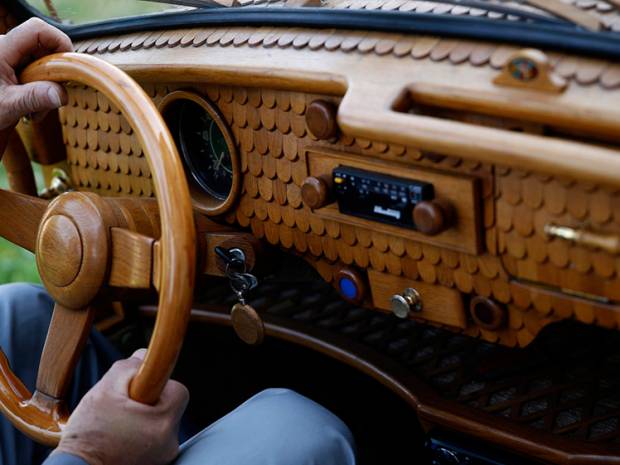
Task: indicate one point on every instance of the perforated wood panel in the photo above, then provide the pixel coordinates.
(562, 391)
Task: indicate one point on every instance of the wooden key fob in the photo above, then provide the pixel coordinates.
(247, 324)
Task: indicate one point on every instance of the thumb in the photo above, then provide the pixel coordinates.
(21, 100)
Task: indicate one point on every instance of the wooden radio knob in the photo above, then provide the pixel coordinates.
(432, 217)
(321, 119)
(316, 191)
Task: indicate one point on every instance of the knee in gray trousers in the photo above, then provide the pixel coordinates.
(25, 314)
(275, 427)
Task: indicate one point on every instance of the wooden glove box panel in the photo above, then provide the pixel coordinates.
(440, 304)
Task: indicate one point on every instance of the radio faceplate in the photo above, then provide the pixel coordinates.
(379, 197)
(460, 190)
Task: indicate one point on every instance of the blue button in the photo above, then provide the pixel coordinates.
(348, 288)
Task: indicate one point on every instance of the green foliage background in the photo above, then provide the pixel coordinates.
(16, 264)
(82, 11)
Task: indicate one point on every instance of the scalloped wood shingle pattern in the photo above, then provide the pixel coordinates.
(269, 127)
(527, 202)
(582, 71)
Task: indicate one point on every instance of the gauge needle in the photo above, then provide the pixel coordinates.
(219, 162)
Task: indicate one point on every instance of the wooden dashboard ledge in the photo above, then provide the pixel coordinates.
(319, 60)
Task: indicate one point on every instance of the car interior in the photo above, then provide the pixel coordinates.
(402, 209)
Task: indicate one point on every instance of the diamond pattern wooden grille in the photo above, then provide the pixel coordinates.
(566, 383)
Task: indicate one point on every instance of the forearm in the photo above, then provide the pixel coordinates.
(62, 458)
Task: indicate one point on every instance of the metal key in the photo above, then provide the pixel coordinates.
(244, 318)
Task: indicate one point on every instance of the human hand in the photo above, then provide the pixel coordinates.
(108, 428)
(29, 41)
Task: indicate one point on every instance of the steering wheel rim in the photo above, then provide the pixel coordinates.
(35, 415)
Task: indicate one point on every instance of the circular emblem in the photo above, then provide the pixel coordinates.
(523, 69)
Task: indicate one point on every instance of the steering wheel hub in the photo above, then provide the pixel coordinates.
(72, 247)
(60, 248)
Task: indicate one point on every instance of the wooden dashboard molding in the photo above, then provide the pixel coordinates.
(582, 71)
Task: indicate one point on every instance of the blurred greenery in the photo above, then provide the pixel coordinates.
(83, 11)
(17, 264)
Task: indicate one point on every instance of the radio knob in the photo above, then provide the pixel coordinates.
(432, 216)
(321, 119)
(316, 191)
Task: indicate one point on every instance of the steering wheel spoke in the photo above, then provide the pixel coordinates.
(135, 258)
(20, 216)
(65, 340)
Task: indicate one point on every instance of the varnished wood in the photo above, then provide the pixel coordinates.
(178, 253)
(271, 210)
(526, 179)
(364, 116)
(542, 76)
(74, 224)
(264, 112)
(487, 314)
(432, 217)
(18, 169)
(316, 192)
(20, 216)
(36, 416)
(65, 340)
(321, 119)
(132, 259)
(439, 304)
(90, 218)
(60, 248)
(247, 324)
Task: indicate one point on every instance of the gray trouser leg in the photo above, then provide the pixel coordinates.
(275, 427)
(25, 313)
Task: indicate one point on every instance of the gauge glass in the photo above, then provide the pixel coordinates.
(205, 150)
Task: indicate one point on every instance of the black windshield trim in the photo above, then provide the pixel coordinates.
(559, 36)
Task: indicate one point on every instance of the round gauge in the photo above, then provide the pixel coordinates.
(205, 150)
(208, 150)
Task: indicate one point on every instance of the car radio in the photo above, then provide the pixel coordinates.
(379, 197)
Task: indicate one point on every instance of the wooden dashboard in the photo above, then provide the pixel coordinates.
(512, 163)
(529, 171)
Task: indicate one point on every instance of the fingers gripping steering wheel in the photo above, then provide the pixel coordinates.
(87, 245)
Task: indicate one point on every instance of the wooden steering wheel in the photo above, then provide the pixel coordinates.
(87, 246)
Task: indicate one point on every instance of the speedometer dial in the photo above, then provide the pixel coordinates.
(208, 149)
(205, 150)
